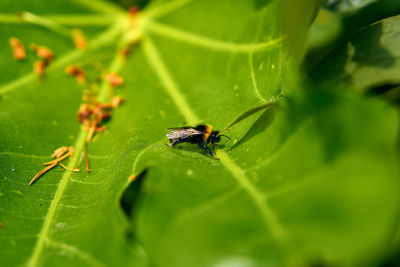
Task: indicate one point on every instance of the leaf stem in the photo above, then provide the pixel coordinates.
(43, 234)
(66, 20)
(101, 6)
(46, 23)
(162, 10)
(170, 86)
(256, 196)
(210, 43)
(78, 148)
(253, 78)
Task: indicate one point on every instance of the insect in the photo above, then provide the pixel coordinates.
(39, 67)
(201, 135)
(43, 52)
(18, 49)
(114, 79)
(77, 72)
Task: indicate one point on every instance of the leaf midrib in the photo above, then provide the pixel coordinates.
(210, 43)
(43, 234)
(80, 142)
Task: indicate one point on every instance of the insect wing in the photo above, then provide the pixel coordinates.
(182, 133)
(180, 128)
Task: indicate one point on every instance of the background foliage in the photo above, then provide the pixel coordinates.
(311, 181)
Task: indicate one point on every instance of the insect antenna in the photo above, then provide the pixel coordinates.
(251, 112)
(225, 136)
(224, 130)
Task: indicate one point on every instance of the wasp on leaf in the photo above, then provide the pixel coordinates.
(200, 134)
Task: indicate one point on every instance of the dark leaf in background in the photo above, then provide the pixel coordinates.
(333, 27)
(346, 5)
(368, 62)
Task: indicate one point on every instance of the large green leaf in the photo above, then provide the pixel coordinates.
(369, 60)
(345, 5)
(336, 27)
(303, 183)
(312, 194)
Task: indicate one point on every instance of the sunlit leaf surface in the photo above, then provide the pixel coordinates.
(303, 183)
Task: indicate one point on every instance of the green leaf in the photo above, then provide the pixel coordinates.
(296, 20)
(345, 5)
(304, 183)
(366, 61)
(312, 194)
(324, 35)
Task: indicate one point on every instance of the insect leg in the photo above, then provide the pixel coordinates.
(174, 142)
(202, 145)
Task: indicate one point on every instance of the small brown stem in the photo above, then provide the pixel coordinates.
(69, 169)
(86, 158)
(42, 172)
(91, 131)
(58, 160)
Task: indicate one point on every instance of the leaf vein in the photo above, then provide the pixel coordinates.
(81, 254)
(23, 155)
(210, 43)
(34, 259)
(253, 78)
(67, 20)
(166, 9)
(101, 6)
(169, 84)
(258, 198)
(79, 145)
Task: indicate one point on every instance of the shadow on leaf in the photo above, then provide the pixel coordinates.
(131, 194)
(362, 50)
(259, 126)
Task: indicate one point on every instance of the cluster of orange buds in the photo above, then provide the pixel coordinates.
(116, 101)
(77, 72)
(79, 39)
(39, 66)
(133, 11)
(59, 155)
(114, 79)
(18, 49)
(94, 114)
(42, 52)
(46, 56)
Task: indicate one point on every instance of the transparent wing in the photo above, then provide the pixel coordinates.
(182, 133)
(180, 128)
